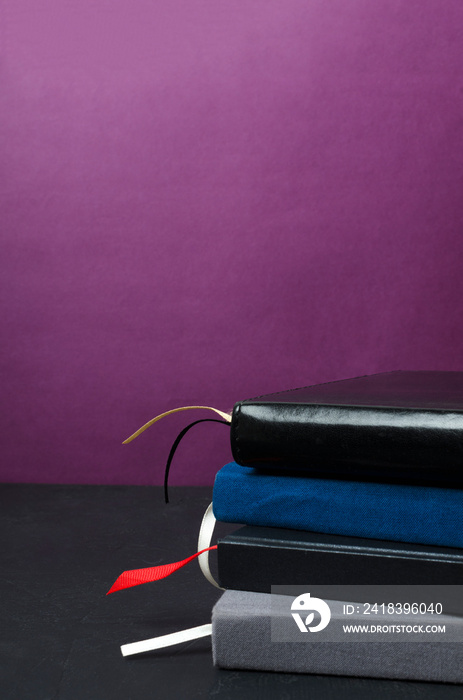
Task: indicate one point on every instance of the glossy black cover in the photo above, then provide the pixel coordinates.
(405, 426)
(256, 558)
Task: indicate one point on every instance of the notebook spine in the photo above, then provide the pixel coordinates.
(350, 441)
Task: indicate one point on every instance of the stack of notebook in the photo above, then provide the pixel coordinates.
(352, 483)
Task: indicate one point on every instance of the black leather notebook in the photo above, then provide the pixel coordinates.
(256, 558)
(391, 426)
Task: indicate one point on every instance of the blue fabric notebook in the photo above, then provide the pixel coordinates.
(419, 514)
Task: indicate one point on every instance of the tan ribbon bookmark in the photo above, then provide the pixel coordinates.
(222, 414)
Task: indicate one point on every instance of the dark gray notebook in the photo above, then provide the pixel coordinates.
(243, 637)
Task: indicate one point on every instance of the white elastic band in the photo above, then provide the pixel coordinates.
(205, 535)
(204, 541)
(167, 640)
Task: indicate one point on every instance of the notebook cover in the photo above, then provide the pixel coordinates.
(401, 513)
(255, 558)
(241, 639)
(392, 426)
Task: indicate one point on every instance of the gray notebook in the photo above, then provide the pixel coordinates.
(246, 625)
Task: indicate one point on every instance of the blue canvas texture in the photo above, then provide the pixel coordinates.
(418, 514)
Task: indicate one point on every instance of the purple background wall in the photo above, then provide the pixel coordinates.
(205, 201)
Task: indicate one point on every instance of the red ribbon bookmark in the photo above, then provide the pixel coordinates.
(135, 577)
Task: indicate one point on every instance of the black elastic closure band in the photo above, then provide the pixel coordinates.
(178, 439)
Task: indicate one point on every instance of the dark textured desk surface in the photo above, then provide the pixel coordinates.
(61, 549)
